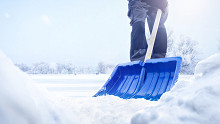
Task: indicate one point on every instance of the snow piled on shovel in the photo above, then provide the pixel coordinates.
(192, 102)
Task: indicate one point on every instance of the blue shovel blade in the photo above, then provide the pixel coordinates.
(139, 79)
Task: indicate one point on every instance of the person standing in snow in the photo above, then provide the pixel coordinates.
(138, 12)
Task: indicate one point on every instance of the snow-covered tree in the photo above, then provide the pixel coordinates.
(23, 67)
(104, 68)
(186, 48)
(101, 68)
(67, 68)
(40, 68)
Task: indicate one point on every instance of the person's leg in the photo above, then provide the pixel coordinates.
(138, 13)
(160, 45)
(138, 42)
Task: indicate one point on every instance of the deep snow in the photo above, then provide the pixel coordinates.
(192, 100)
(195, 101)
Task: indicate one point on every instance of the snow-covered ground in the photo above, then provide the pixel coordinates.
(66, 99)
(71, 85)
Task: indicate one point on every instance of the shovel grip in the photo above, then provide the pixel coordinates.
(153, 36)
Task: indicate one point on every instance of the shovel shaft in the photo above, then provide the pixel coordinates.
(153, 36)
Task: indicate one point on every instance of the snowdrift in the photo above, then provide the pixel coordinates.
(23, 102)
(192, 100)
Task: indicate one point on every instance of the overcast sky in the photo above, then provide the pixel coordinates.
(86, 32)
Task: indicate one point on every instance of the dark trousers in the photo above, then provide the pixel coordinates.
(138, 13)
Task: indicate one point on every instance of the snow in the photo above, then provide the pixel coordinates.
(43, 99)
(208, 66)
(191, 101)
(71, 85)
(23, 102)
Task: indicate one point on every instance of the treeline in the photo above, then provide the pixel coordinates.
(65, 68)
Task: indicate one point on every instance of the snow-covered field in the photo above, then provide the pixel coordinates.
(71, 85)
(67, 99)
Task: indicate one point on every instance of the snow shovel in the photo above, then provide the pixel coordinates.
(149, 79)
